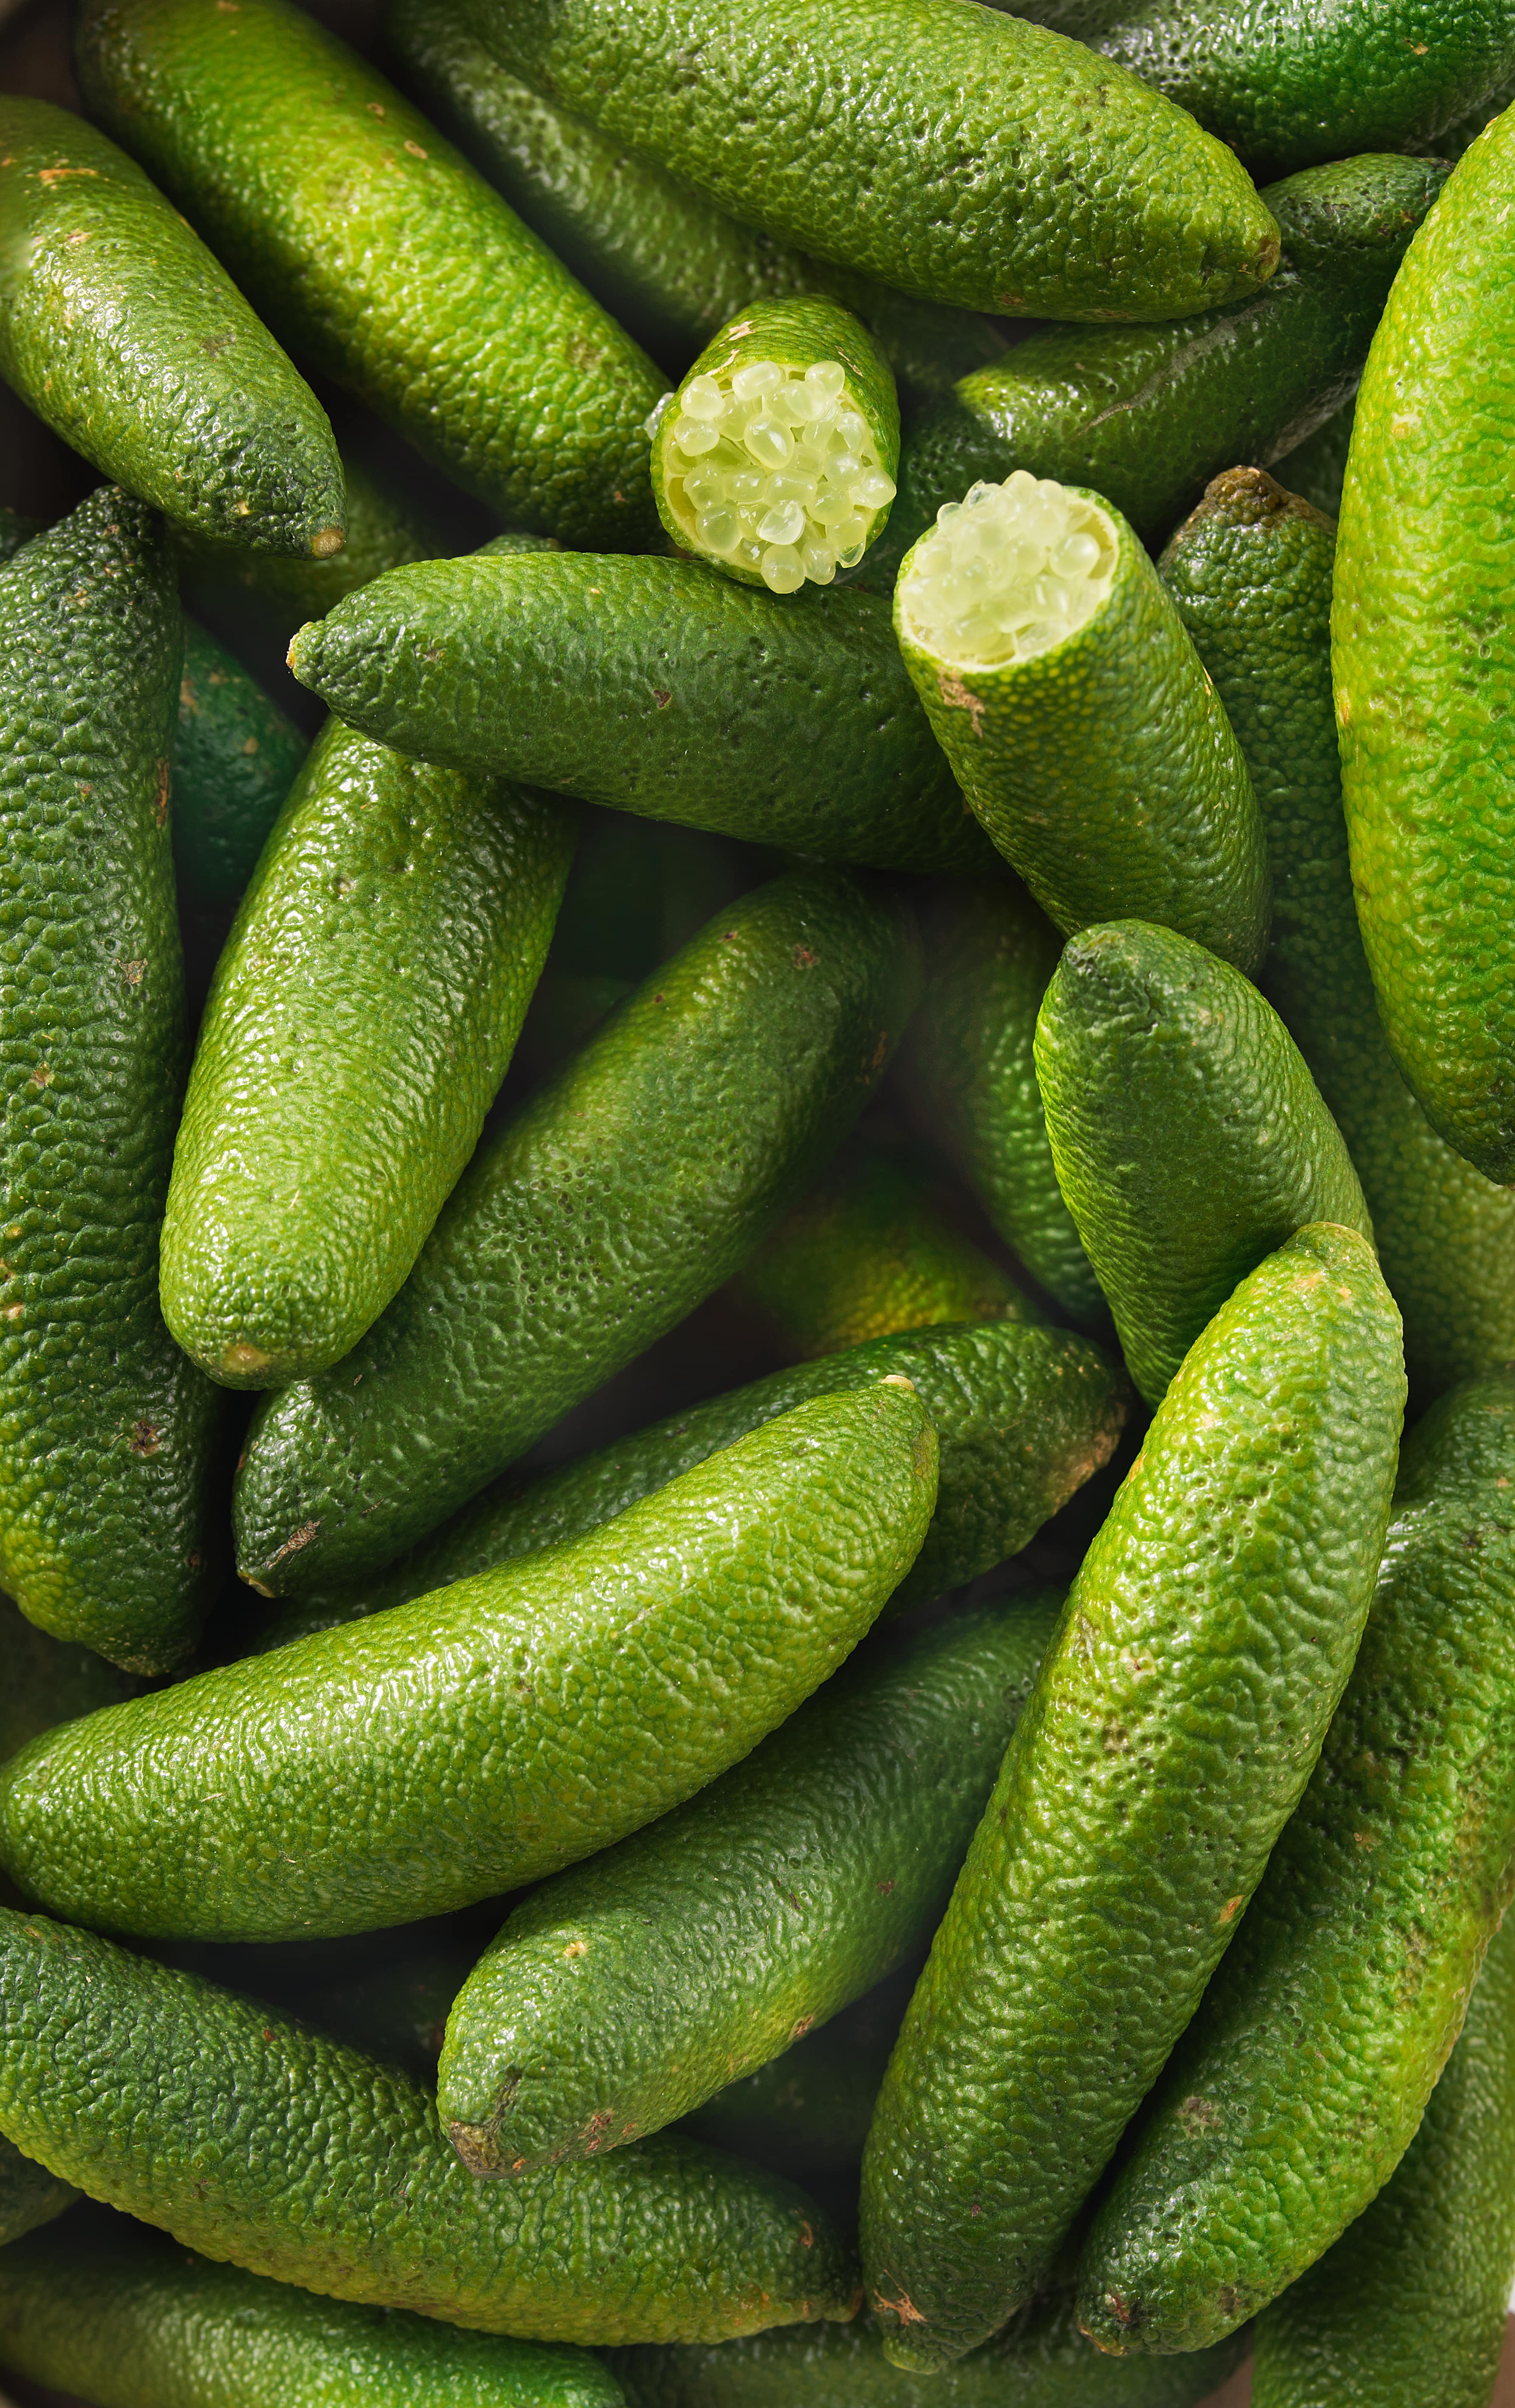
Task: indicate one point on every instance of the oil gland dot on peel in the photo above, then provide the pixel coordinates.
(770, 469)
(1010, 571)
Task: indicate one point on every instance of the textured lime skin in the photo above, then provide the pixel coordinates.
(681, 1132)
(251, 2138)
(1408, 2310)
(1289, 84)
(867, 1252)
(128, 2320)
(496, 1729)
(1251, 572)
(655, 252)
(235, 753)
(969, 159)
(47, 1681)
(105, 1428)
(1175, 1722)
(1189, 1137)
(660, 687)
(1024, 1417)
(234, 760)
(384, 259)
(1041, 2361)
(1146, 414)
(362, 1017)
(1424, 659)
(968, 1068)
(1300, 2083)
(633, 1988)
(124, 335)
(797, 330)
(1106, 770)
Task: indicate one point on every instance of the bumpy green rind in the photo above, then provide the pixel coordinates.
(1300, 2083)
(633, 1988)
(235, 753)
(362, 1018)
(866, 1252)
(677, 1137)
(1408, 2310)
(1251, 572)
(796, 331)
(251, 2138)
(123, 2317)
(1288, 83)
(105, 1429)
(1024, 1416)
(499, 1729)
(236, 756)
(384, 259)
(1106, 770)
(1041, 2360)
(1424, 671)
(1175, 1722)
(125, 336)
(1145, 415)
(670, 266)
(968, 157)
(968, 1070)
(1189, 1137)
(660, 687)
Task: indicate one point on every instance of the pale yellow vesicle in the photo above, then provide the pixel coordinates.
(771, 468)
(1009, 572)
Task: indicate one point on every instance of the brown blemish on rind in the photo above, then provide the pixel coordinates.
(301, 1538)
(955, 694)
(904, 2307)
(1198, 2116)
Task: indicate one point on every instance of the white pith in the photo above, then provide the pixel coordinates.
(770, 466)
(1009, 572)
